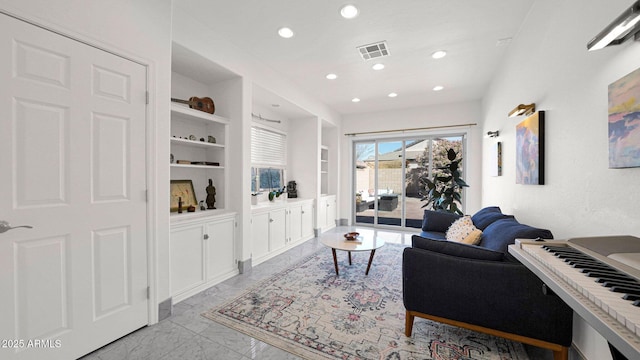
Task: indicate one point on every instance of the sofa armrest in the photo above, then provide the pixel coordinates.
(505, 296)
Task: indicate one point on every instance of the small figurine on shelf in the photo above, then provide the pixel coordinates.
(291, 190)
(180, 205)
(202, 205)
(211, 195)
(191, 208)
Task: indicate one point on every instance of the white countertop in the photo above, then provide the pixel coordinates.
(199, 214)
(278, 203)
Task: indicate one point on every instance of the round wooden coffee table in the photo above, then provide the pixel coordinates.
(363, 243)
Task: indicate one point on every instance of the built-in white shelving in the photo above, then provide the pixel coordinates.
(324, 170)
(203, 243)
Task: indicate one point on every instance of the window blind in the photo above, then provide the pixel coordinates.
(268, 147)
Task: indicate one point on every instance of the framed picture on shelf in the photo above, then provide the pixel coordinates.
(182, 189)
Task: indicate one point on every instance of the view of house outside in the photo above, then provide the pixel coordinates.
(398, 180)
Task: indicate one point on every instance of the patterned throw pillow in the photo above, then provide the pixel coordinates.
(463, 231)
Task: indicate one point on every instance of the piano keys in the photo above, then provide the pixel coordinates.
(603, 274)
(598, 277)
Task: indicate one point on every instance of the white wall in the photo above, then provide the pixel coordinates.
(431, 116)
(548, 64)
(303, 151)
(141, 31)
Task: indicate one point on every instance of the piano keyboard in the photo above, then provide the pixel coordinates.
(602, 294)
(603, 274)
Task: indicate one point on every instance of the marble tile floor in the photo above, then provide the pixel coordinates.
(186, 335)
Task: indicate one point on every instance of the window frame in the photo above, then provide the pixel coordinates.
(279, 163)
(256, 179)
(464, 133)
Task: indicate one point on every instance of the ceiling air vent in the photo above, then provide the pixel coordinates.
(374, 50)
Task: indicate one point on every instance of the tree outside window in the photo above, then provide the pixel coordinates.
(266, 179)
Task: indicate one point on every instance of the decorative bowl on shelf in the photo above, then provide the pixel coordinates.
(351, 235)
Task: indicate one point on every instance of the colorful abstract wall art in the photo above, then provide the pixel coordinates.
(624, 121)
(496, 159)
(530, 150)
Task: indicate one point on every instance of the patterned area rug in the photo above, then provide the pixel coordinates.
(308, 311)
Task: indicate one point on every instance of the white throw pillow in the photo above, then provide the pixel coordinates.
(463, 231)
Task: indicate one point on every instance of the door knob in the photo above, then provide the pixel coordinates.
(5, 226)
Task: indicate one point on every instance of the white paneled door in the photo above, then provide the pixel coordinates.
(72, 166)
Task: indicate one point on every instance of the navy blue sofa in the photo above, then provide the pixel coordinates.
(482, 287)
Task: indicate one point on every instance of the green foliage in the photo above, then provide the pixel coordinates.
(444, 191)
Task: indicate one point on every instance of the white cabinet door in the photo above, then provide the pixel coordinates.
(306, 220)
(322, 213)
(277, 229)
(187, 258)
(295, 223)
(327, 212)
(220, 239)
(259, 235)
(331, 212)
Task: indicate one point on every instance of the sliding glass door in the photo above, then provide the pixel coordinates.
(387, 188)
(364, 181)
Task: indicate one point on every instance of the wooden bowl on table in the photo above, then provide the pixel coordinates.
(351, 235)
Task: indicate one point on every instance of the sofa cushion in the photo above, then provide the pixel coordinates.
(501, 233)
(438, 220)
(463, 231)
(456, 249)
(473, 238)
(487, 216)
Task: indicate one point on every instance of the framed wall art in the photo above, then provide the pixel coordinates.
(496, 159)
(182, 189)
(530, 150)
(624, 121)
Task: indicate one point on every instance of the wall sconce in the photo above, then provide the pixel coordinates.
(620, 30)
(493, 134)
(523, 109)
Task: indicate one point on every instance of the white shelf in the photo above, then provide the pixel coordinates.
(176, 217)
(196, 166)
(202, 144)
(191, 114)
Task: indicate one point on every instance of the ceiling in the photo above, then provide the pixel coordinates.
(473, 33)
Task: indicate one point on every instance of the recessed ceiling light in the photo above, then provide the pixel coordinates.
(378, 66)
(349, 11)
(285, 32)
(332, 76)
(438, 88)
(439, 54)
(355, 100)
(392, 95)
